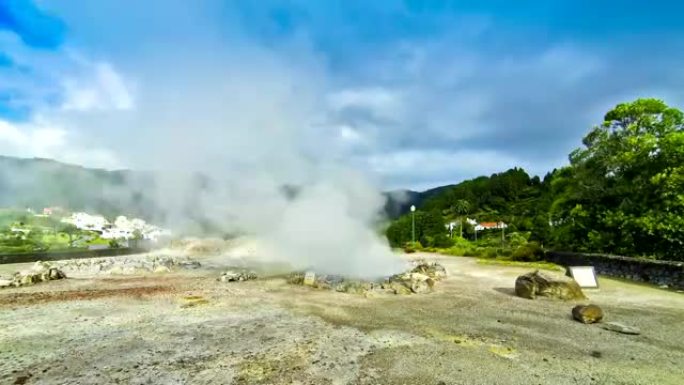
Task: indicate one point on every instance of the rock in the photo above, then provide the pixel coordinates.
(588, 314)
(236, 276)
(33, 276)
(420, 283)
(55, 273)
(419, 280)
(620, 328)
(420, 287)
(431, 269)
(354, 287)
(189, 265)
(399, 288)
(41, 266)
(27, 279)
(162, 269)
(549, 285)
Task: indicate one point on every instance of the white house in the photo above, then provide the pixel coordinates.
(490, 225)
(85, 221)
(454, 224)
(122, 228)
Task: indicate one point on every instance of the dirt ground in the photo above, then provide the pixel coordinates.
(187, 328)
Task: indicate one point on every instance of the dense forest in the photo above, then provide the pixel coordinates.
(622, 193)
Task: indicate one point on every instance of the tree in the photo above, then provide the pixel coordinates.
(462, 207)
(624, 190)
(429, 226)
(70, 230)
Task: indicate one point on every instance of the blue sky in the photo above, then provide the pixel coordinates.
(416, 93)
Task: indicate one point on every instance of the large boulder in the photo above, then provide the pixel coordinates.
(549, 285)
(417, 283)
(432, 269)
(587, 314)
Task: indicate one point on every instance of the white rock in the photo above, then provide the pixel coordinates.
(419, 277)
(162, 269)
(620, 328)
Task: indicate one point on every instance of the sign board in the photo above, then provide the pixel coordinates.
(309, 278)
(584, 276)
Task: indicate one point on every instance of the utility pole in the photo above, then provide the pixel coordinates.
(413, 224)
(460, 228)
(503, 236)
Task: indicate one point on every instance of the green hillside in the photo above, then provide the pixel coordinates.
(622, 193)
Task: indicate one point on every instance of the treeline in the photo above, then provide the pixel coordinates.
(622, 193)
(512, 197)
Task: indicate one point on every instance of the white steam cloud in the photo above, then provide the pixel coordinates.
(251, 120)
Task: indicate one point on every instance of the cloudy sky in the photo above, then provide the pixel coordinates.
(415, 93)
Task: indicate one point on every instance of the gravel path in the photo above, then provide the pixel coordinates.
(185, 327)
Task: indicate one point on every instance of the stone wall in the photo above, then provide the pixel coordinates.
(60, 255)
(659, 273)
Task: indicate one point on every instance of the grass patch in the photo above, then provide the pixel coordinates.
(503, 351)
(193, 300)
(532, 265)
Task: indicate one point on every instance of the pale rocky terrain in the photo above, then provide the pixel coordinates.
(150, 326)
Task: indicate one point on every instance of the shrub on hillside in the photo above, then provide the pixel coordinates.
(530, 252)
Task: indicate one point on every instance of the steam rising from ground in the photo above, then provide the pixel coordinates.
(227, 127)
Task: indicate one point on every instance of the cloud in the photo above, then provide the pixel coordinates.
(42, 139)
(399, 78)
(401, 167)
(226, 124)
(101, 87)
(381, 101)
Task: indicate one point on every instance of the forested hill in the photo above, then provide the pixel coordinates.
(398, 202)
(512, 196)
(38, 183)
(622, 193)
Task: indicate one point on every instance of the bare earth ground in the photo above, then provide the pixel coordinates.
(187, 328)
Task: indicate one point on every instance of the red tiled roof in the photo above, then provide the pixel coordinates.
(489, 224)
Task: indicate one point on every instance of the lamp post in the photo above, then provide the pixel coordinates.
(413, 224)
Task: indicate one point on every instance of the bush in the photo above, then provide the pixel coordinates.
(412, 247)
(518, 239)
(455, 251)
(530, 252)
(461, 242)
(475, 251)
(442, 241)
(490, 252)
